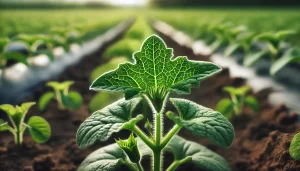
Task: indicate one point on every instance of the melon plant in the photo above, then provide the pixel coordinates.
(154, 76)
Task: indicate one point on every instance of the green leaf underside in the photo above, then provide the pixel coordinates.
(154, 73)
(39, 130)
(203, 122)
(226, 107)
(252, 102)
(73, 100)
(102, 123)
(45, 99)
(295, 147)
(202, 157)
(107, 158)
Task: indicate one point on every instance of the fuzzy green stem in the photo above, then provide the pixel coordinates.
(169, 135)
(177, 163)
(143, 137)
(157, 156)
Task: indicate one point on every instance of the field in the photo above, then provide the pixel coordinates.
(257, 133)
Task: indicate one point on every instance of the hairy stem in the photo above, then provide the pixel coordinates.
(169, 135)
(157, 162)
(177, 163)
(143, 137)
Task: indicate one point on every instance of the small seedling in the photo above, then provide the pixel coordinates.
(33, 42)
(295, 147)
(39, 128)
(64, 97)
(229, 107)
(153, 76)
(243, 42)
(273, 42)
(5, 56)
(290, 56)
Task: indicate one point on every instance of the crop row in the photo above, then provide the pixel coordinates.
(239, 31)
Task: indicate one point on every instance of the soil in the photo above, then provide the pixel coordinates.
(261, 139)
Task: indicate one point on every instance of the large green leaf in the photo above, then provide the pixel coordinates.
(203, 122)
(45, 99)
(155, 72)
(201, 157)
(9, 109)
(111, 157)
(107, 158)
(39, 129)
(101, 124)
(295, 147)
(226, 107)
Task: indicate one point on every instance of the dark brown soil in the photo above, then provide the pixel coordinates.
(261, 142)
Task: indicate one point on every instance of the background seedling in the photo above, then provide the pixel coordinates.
(152, 76)
(64, 97)
(39, 128)
(229, 107)
(273, 42)
(295, 147)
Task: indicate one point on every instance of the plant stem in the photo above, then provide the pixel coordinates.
(177, 163)
(144, 137)
(157, 156)
(157, 160)
(169, 135)
(19, 137)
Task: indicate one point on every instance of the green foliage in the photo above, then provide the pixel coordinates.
(229, 107)
(290, 56)
(39, 128)
(154, 74)
(295, 147)
(61, 93)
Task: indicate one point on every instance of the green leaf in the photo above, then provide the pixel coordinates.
(254, 57)
(73, 100)
(45, 99)
(39, 129)
(283, 34)
(201, 157)
(101, 124)
(203, 122)
(154, 73)
(231, 49)
(292, 55)
(3, 44)
(18, 57)
(107, 158)
(252, 102)
(226, 107)
(64, 86)
(295, 147)
(238, 91)
(9, 109)
(4, 125)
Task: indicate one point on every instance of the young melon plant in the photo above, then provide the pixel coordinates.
(290, 56)
(39, 128)
(242, 42)
(295, 147)
(153, 76)
(5, 55)
(64, 97)
(273, 42)
(229, 107)
(33, 42)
